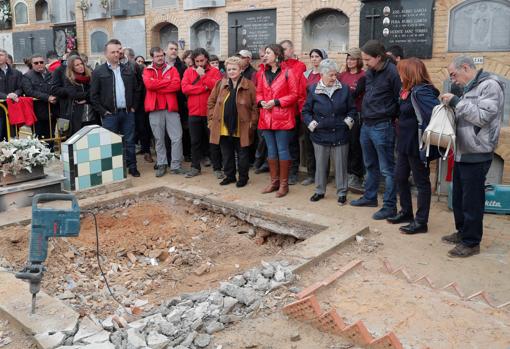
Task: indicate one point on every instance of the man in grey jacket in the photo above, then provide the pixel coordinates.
(478, 116)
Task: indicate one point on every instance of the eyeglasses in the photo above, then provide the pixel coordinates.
(38, 62)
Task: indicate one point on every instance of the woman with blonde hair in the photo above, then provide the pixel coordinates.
(77, 84)
(232, 120)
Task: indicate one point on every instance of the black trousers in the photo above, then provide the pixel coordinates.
(355, 158)
(143, 130)
(294, 148)
(200, 146)
(403, 168)
(261, 152)
(230, 147)
(309, 154)
(469, 200)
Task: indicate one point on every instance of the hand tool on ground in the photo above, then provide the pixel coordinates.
(47, 222)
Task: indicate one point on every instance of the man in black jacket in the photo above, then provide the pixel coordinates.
(379, 107)
(10, 87)
(36, 83)
(114, 93)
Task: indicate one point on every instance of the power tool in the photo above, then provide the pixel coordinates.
(47, 223)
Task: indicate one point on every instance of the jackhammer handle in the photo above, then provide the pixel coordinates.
(54, 196)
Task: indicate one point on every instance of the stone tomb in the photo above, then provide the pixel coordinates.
(407, 23)
(131, 33)
(29, 42)
(250, 30)
(167, 33)
(96, 10)
(128, 7)
(98, 39)
(92, 156)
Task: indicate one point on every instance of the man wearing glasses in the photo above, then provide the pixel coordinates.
(36, 84)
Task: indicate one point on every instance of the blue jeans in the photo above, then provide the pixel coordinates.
(469, 200)
(378, 146)
(277, 142)
(123, 123)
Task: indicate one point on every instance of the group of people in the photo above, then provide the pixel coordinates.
(360, 116)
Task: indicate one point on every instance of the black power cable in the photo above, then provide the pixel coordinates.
(99, 261)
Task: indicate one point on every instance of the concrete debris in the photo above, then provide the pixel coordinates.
(190, 320)
(295, 337)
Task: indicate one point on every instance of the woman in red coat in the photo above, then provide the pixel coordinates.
(277, 95)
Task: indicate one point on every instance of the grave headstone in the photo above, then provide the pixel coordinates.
(62, 11)
(27, 43)
(196, 4)
(6, 41)
(98, 39)
(168, 33)
(96, 10)
(407, 23)
(206, 34)
(21, 13)
(480, 26)
(128, 7)
(250, 30)
(327, 29)
(131, 33)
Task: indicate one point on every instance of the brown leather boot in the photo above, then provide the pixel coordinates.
(274, 171)
(284, 178)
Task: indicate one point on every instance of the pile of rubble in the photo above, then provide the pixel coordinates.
(190, 320)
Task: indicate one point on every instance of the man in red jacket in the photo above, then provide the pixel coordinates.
(197, 84)
(299, 69)
(162, 83)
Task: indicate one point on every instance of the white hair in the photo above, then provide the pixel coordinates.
(459, 61)
(327, 65)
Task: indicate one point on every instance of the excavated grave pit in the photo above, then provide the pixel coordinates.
(152, 247)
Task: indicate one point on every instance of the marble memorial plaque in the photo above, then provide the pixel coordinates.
(480, 26)
(20, 13)
(97, 11)
(206, 34)
(131, 33)
(6, 42)
(62, 11)
(254, 29)
(168, 33)
(327, 29)
(128, 7)
(196, 4)
(165, 3)
(98, 39)
(407, 23)
(30, 42)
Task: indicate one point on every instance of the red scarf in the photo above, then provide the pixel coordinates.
(81, 79)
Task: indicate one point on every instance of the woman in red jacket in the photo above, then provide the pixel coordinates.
(277, 95)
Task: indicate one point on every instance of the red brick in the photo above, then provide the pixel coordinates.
(304, 309)
(358, 333)
(330, 322)
(389, 341)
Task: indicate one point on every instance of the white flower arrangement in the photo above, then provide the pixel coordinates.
(17, 155)
(5, 12)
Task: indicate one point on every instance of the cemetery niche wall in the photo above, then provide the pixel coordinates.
(480, 26)
(27, 43)
(167, 32)
(96, 9)
(407, 23)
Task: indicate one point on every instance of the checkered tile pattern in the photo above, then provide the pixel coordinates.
(92, 156)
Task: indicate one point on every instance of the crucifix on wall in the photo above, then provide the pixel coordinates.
(236, 28)
(372, 17)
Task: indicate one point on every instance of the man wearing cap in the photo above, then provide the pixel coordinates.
(249, 72)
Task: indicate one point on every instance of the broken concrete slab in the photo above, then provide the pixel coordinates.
(100, 337)
(89, 346)
(50, 341)
(52, 315)
(86, 329)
